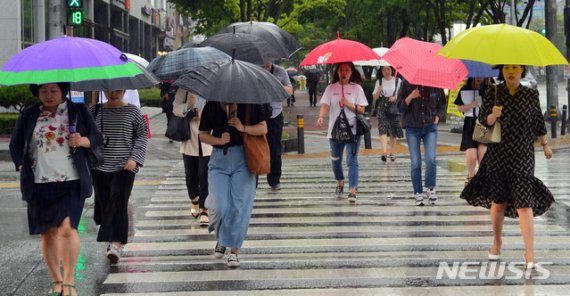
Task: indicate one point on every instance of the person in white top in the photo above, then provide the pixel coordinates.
(131, 96)
(195, 154)
(385, 97)
(345, 92)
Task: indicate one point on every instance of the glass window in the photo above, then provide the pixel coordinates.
(28, 23)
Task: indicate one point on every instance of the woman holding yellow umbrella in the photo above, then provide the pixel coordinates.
(505, 182)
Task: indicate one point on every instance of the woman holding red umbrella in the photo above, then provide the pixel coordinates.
(345, 93)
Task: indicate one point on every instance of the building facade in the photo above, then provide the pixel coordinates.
(140, 27)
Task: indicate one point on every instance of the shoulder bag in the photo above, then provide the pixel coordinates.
(178, 128)
(341, 131)
(487, 134)
(393, 106)
(256, 150)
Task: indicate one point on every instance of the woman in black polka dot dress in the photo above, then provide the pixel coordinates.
(505, 181)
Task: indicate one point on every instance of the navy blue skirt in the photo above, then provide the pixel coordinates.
(51, 203)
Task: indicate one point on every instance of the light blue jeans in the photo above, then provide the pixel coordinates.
(414, 136)
(231, 191)
(351, 161)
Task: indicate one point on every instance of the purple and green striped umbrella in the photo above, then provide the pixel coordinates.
(67, 59)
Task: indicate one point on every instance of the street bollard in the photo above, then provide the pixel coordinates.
(300, 134)
(553, 116)
(563, 120)
(367, 138)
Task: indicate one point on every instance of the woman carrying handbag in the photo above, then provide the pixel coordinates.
(344, 95)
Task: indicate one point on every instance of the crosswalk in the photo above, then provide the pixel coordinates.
(304, 241)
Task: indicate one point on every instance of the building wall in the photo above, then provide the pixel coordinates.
(136, 30)
(10, 37)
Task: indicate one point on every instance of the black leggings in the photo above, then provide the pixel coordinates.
(196, 173)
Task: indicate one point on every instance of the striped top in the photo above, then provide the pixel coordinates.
(126, 131)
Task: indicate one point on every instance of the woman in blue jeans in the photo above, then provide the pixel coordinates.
(345, 92)
(422, 107)
(231, 186)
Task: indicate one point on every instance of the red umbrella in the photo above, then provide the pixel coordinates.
(420, 64)
(338, 51)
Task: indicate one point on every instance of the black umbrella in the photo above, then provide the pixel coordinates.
(144, 80)
(233, 81)
(178, 62)
(280, 39)
(249, 48)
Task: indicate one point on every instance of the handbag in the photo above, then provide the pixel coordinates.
(487, 134)
(256, 150)
(178, 128)
(95, 156)
(393, 106)
(362, 125)
(341, 131)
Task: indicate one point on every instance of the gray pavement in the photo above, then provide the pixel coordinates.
(302, 240)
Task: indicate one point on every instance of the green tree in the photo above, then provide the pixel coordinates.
(18, 96)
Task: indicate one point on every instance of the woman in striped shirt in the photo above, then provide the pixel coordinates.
(125, 138)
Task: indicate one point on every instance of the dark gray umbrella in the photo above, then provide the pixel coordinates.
(280, 39)
(178, 62)
(144, 80)
(248, 47)
(233, 81)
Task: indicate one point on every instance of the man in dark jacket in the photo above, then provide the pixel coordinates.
(312, 83)
(422, 107)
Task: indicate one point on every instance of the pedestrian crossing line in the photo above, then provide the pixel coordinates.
(481, 290)
(350, 242)
(302, 239)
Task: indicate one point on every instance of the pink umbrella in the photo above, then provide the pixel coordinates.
(420, 64)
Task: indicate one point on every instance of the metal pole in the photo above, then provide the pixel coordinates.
(367, 137)
(553, 122)
(300, 134)
(563, 120)
(567, 34)
(551, 71)
(513, 18)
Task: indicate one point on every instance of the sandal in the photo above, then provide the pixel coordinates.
(195, 209)
(467, 180)
(204, 220)
(384, 158)
(69, 290)
(392, 157)
(52, 291)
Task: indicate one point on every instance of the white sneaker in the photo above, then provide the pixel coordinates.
(233, 260)
(114, 254)
(419, 199)
(432, 196)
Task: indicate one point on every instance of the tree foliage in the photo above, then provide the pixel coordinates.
(16, 96)
(372, 22)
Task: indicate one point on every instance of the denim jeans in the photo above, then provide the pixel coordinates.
(231, 191)
(414, 136)
(351, 160)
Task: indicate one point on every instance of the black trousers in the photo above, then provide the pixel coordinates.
(312, 96)
(196, 173)
(112, 192)
(274, 131)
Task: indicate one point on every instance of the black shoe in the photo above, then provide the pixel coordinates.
(276, 187)
(351, 197)
(339, 191)
(384, 158)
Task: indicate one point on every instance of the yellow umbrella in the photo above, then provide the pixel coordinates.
(503, 44)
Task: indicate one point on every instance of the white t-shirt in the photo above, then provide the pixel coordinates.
(332, 95)
(131, 96)
(388, 87)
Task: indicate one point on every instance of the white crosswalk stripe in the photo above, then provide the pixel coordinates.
(304, 241)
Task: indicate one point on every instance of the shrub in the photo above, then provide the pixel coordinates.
(18, 96)
(150, 97)
(7, 122)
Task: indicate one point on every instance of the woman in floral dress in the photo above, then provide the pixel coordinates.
(49, 147)
(505, 181)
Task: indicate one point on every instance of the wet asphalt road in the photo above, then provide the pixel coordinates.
(300, 238)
